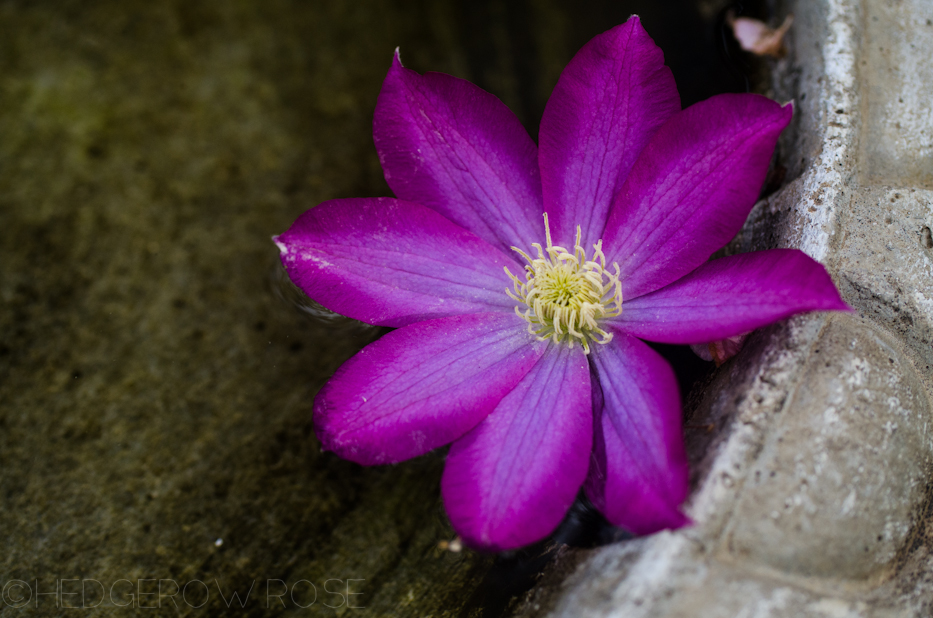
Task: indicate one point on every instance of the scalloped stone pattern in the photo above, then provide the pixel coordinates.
(812, 450)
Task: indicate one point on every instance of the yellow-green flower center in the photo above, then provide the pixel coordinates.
(564, 295)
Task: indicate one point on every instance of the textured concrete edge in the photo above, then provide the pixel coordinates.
(825, 183)
(638, 578)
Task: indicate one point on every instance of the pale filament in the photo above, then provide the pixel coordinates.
(565, 295)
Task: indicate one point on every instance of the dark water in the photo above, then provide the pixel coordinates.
(156, 375)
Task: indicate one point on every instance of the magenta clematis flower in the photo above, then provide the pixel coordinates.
(521, 281)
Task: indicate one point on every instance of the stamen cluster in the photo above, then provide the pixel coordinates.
(565, 295)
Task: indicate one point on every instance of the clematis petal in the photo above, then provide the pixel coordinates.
(422, 386)
(612, 97)
(510, 480)
(731, 296)
(638, 471)
(453, 147)
(691, 189)
(389, 262)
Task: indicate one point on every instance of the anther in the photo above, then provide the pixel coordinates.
(564, 294)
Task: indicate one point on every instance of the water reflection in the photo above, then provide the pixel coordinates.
(290, 295)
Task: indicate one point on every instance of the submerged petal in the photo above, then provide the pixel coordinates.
(612, 97)
(510, 480)
(422, 386)
(453, 147)
(638, 472)
(389, 262)
(731, 296)
(692, 188)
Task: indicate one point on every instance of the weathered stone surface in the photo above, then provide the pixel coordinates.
(812, 450)
(888, 266)
(896, 73)
(844, 467)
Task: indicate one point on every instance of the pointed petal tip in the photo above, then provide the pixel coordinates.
(832, 299)
(396, 68)
(648, 517)
(634, 22)
(679, 520)
(841, 306)
(831, 302)
(673, 520)
(499, 541)
(283, 248)
(486, 544)
(788, 108)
